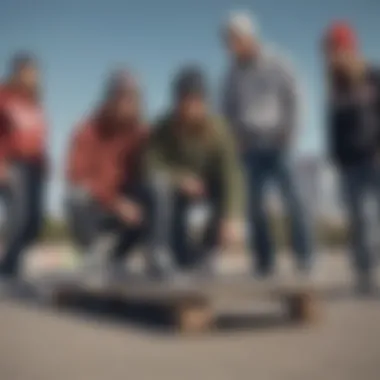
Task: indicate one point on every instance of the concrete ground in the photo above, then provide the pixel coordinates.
(40, 344)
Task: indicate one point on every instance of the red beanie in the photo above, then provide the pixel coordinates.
(342, 36)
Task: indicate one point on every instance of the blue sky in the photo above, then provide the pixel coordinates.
(79, 41)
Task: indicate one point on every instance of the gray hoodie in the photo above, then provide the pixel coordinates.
(261, 102)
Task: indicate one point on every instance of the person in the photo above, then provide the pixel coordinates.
(261, 102)
(353, 135)
(23, 160)
(106, 193)
(193, 151)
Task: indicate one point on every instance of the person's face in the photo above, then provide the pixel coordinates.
(240, 46)
(126, 107)
(28, 76)
(338, 59)
(192, 108)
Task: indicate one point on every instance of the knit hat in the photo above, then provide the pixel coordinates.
(241, 23)
(190, 80)
(341, 35)
(121, 82)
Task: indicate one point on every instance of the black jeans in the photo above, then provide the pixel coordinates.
(24, 213)
(89, 222)
(358, 182)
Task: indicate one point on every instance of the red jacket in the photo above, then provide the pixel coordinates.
(105, 163)
(23, 128)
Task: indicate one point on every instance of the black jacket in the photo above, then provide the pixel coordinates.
(354, 123)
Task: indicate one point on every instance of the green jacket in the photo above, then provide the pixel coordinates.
(209, 154)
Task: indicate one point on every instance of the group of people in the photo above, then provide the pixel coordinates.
(137, 182)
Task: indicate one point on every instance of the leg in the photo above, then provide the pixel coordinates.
(82, 215)
(152, 230)
(36, 220)
(376, 186)
(19, 203)
(181, 245)
(299, 231)
(128, 239)
(354, 187)
(261, 241)
(210, 238)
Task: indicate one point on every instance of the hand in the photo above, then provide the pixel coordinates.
(230, 232)
(192, 186)
(130, 212)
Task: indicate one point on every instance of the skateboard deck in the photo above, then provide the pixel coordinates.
(189, 302)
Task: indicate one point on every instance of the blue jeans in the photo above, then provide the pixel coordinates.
(261, 168)
(359, 181)
(24, 213)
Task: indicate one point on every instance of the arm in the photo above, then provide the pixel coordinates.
(291, 98)
(227, 107)
(376, 80)
(6, 143)
(331, 135)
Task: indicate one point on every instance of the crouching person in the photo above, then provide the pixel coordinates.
(106, 192)
(195, 156)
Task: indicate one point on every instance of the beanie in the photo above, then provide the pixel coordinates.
(341, 35)
(190, 80)
(241, 23)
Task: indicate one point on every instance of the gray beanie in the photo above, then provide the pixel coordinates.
(241, 23)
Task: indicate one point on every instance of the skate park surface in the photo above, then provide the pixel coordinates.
(38, 343)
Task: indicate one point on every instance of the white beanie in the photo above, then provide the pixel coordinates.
(241, 23)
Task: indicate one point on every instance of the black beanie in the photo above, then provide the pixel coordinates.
(190, 80)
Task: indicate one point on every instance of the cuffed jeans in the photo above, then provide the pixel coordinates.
(261, 168)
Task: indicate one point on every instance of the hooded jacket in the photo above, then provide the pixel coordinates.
(209, 154)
